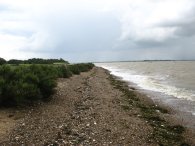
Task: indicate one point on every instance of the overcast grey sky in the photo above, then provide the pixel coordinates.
(97, 30)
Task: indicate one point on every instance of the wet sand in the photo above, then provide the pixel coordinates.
(87, 109)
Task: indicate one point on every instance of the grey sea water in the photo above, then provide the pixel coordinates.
(172, 82)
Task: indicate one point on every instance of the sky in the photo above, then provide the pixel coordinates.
(97, 30)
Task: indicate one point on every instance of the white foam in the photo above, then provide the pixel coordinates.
(152, 83)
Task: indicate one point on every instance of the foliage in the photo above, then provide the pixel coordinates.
(44, 61)
(82, 67)
(2, 61)
(74, 69)
(15, 61)
(37, 61)
(25, 84)
(64, 72)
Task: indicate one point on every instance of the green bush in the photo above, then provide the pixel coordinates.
(25, 84)
(81, 67)
(37, 61)
(47, 85)
(64, 72)
(2, 61)
(74, 69)
(23, 92)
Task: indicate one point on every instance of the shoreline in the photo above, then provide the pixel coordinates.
(167, 113)
(95, 108)
(173, 116)
(183, 118)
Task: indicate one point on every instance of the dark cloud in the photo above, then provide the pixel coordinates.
(185, 25)
(186, 30)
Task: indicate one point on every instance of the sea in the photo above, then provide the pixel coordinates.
(169, 82)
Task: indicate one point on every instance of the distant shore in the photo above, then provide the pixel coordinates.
(93, 108)
(139, 61)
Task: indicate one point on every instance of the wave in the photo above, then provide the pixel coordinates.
(152, 83)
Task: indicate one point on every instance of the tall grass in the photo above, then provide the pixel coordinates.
(26, 84)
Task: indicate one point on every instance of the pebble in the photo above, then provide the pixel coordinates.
(157, 111)
(17, 138)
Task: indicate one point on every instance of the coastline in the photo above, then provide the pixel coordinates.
(95, 108)
(164, 111)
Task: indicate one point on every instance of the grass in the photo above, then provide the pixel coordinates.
(163, 132)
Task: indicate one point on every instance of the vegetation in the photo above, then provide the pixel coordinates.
(25, 84)
(163, 133)
(82, 67)
(33, 61)
(2, 61)
(37, 61)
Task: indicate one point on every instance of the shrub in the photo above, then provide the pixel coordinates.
(2, 61)
(37, 61)
(64, 72)
(74, 69)
(23, 92)
(46, 86)
(83, 67)
(5, 71)
(15, 61)
(2, 83)
(80, 67)
(25, 84)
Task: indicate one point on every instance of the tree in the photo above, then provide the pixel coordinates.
(2, 61)
(15, 61)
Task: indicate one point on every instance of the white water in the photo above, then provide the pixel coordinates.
(174, 79)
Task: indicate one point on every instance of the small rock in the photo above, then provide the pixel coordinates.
(108, 130)
(157, 111)
(59, 136)
(10, 115)
(17, 138)
(78, 87)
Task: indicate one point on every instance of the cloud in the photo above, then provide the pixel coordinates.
(3, 8)
(184, 28)
(85, 30)
(141, 20)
